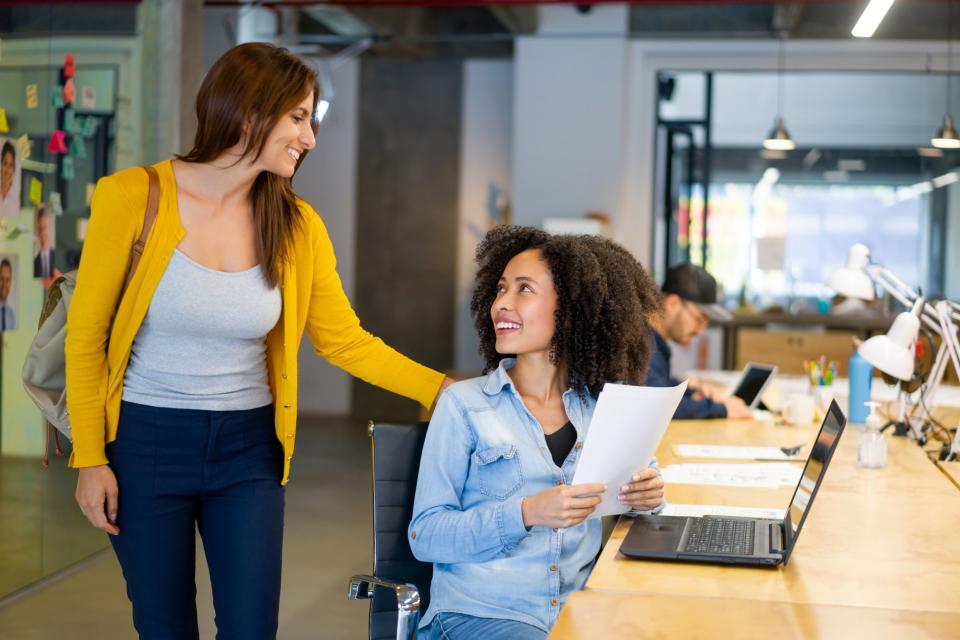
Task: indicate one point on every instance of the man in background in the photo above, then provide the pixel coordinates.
(8, 322)
(43, 261)
(9, 186)
(689, 299)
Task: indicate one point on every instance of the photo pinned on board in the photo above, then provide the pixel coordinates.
(9, 178)
(9, 295)
(44, 255)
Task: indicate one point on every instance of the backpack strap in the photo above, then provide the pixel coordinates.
(153, 201)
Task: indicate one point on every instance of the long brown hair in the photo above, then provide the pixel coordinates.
(254, 85)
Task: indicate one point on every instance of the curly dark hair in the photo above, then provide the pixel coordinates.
(604, 301)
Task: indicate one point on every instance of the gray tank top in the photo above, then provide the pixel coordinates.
(202, 343)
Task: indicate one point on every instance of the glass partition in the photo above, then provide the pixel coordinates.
(57, 132)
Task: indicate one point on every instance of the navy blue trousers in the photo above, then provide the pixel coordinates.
(219, 472)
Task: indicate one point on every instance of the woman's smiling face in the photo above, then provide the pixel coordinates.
(290, 138)
(524, 311)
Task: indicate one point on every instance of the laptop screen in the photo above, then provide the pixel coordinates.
(813, 472)
(752, 382)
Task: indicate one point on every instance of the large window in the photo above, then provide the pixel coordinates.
(780, 222)
(782, 241)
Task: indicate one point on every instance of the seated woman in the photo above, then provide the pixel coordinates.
(510, 539)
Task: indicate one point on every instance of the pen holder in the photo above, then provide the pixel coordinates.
(822, 397)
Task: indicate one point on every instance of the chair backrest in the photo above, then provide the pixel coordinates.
(396, 462)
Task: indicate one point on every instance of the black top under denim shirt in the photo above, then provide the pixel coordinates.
(659, 376)
(561, 442)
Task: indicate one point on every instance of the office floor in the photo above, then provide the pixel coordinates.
(327, 540)
(43, 529)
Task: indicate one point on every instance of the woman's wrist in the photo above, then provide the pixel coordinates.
(525, 513)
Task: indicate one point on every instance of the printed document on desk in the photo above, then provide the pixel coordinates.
(731, 452)
(628, 423)
(760, 475)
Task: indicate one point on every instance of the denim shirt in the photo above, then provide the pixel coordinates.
(484, 452)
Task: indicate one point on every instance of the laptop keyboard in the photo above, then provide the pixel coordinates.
(720, 535)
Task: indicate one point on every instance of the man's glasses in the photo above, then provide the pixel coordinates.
(699, 317)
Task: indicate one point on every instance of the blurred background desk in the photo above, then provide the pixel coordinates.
(875, 539)
(787, 339)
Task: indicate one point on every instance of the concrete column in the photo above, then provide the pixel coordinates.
(172, 71)
(408, 173)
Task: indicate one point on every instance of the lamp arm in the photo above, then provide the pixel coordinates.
(948, 353)
(902, 293)
(949, 333)
(953, 344)
(954, 310)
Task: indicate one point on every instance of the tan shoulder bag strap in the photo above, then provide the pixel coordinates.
(153, 201)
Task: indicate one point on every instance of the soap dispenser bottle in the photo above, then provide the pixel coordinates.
(872, 452)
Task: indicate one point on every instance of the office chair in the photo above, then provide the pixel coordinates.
(399, 588)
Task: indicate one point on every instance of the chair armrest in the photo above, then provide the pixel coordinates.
(408, 596)
(408, 601)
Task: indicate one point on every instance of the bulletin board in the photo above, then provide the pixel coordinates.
(57, 138)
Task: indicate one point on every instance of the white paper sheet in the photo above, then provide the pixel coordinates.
(626, 428)
(699, 510)
(731, 452)
(762, 475)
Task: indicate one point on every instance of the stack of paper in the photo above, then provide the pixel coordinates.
(626, 428)
(700, 510)
(731, 452)
(769, 475)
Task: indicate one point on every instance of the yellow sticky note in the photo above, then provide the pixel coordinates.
(36, 191)
(90, 187)
(4, 127)
(24, 146)
(32, 99)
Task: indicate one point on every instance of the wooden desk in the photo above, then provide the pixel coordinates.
(874, 538)
(591, 614)
(951, 470)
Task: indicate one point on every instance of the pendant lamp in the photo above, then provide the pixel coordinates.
(779, 139)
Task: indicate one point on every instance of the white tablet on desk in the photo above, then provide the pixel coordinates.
(754, 380)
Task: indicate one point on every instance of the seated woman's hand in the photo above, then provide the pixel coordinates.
(645, 492)
(563, 506)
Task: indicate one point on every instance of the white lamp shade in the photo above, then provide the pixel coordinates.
(858, 256)
(852, 283)
(893, 352)
(851, 280)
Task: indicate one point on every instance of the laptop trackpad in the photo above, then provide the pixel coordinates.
(654, 536)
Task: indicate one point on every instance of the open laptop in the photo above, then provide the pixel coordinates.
(747, 541)
(754, 380)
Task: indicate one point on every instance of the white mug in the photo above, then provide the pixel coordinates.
(799, 409)
(823, 396)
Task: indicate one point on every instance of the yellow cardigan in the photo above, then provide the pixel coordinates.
(98, 343)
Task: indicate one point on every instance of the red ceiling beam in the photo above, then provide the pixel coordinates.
(491, 3)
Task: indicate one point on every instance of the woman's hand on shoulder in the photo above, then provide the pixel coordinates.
(644, 491)
(97, 494)
(563, 506)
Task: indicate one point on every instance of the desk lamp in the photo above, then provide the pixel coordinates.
(893, 354)
(851, 280)
(938, 319)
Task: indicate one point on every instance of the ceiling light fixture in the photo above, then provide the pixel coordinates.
(947, 137)
(871, 18)
(779, 139)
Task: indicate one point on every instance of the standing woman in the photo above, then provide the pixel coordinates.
(182, 393)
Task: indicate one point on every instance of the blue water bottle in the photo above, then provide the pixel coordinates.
(861, 376)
